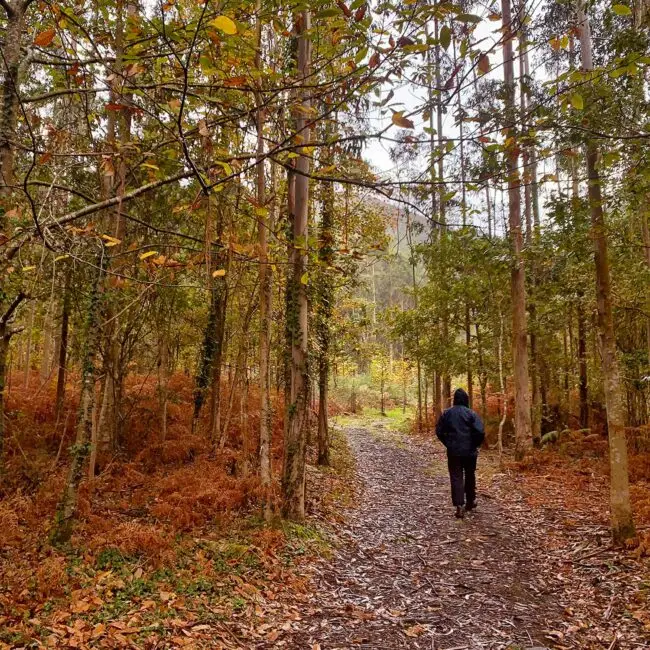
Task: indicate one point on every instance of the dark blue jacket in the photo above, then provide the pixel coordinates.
(460, 429)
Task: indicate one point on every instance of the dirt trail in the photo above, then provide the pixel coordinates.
(407, 574)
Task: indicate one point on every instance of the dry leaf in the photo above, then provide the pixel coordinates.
(404, 122)
(45, 38)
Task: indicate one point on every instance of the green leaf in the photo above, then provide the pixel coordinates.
(621, 10)
(468, 18)
(305, 278)
(328, 13)
(445, 37)
(577, 102)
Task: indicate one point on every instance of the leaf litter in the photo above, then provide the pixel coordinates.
(523, 571)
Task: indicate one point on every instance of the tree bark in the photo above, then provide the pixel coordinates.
(6, 332)
(12, 58)
(621, 511)
(324, 312)
(523, 427)
(293, 471)
(583, 386)
(646, 244)
(63, 347)
(62, 530)
(265, 223)
(445, 381)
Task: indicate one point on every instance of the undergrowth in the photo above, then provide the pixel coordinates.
(168, 534)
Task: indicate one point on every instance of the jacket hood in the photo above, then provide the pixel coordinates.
(461, 398)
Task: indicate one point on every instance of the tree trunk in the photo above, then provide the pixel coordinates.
(583, 386)
(28, 354)
(6, 332)
(412, 260)
(502, 386)
(324, 313)
(12, 58)
(163, 380)
(209, 371)
(265, 223)
(482, 374)
(63, 347)
(110, 420)
(445, 392)
(220, 293)
(293, 471)
(646, 244)
(523, 427)
(62, 530)
(621, 510)
(531, 212)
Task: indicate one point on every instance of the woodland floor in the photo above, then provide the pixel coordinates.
(381, 563)
(406, 574)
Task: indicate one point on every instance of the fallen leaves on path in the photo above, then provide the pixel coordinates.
(518, 573)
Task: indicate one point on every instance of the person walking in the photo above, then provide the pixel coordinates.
(461, 431)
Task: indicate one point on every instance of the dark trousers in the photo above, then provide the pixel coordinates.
(462, 472)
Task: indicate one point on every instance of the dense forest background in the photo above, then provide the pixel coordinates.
(222, 223)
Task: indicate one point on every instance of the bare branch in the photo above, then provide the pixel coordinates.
(9, 10)
(4, 319)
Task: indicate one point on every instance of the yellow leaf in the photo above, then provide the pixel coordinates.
(111, 241)
(219, 273)
(226, 167)
(28, 268)
(144, 256)
(305, 278)
(225, 24)
(400, 120)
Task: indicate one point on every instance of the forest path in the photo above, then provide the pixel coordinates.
(407, 574)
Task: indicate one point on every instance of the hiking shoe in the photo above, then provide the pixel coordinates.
(471, 506)
(460, 512)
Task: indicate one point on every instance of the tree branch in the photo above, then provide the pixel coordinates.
(4, 319)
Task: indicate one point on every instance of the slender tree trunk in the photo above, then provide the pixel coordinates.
(265, 223)
(28, 354)
(445, 392)
(412, 260)
(62, 529)
(221, 299)
(163, 379)
(531, 211)
(324, 313)
(240, 367)
(646, 243)
(293, 471)
(523, 427)
(621, 510)
(426, 402)
(583, 386)
(482, 374)
(63, 347)
(115, 180)
(502, 386)
(6, 332)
